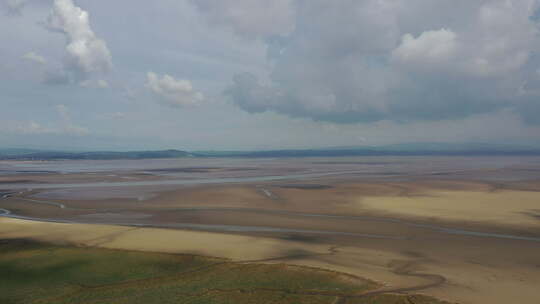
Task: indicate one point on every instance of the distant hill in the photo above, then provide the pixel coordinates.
(103, 155)
(449, 147)
(468, 149)
(13, 151)
(412, 149)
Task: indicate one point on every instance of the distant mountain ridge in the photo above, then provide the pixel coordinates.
(99, 155)
(418, 149)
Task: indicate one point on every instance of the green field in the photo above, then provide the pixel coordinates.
(42, 273)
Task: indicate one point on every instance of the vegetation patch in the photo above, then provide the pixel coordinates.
(43, 273)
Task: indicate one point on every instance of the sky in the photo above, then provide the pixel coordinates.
(258, 74)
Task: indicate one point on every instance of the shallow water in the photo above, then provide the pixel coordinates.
(178, 181)
(231, 170)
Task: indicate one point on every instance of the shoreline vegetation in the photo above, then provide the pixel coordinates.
(38, 272)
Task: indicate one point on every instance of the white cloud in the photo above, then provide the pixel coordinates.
(250, 18)
(174, 92)
(87, 53)
(31, 56)
(431, 47)
(498, 39)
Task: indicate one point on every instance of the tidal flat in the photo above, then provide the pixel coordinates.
(460, 229)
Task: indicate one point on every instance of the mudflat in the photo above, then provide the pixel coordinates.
(466, 236)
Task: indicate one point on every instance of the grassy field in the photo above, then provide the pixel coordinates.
(34, 272)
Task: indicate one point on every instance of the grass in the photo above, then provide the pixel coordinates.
(34, 272)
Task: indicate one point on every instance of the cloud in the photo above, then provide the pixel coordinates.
(33, 57)
(64, 126)
(102, 83)
(253, 97)
(34, 128)
(173, 92)
(29, 128)
(430, 47)
(13, 7)
(250, 18)
(86, 53)
(96, 84)
(63, 112)
(112, 116)
(67, 125)
(372, 60)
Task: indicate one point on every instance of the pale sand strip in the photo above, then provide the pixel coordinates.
(505, 207)
(235, 247)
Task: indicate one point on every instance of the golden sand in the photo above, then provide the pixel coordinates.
(236, 247)
(503, 207)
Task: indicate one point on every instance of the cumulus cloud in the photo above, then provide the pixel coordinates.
(33, 57)
(371, 60)
(431, 47)
(250, 18)
(86, 53)
(173, 92)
